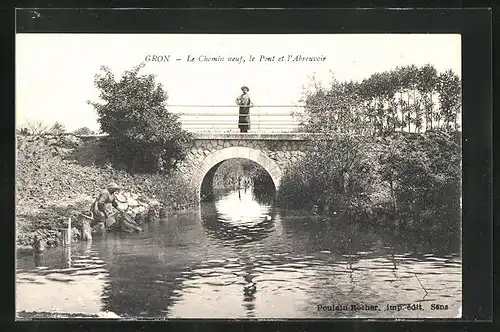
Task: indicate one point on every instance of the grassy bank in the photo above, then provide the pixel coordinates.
(59, 176)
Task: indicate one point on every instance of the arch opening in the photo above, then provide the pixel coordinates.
(205, 171)
(238, 174)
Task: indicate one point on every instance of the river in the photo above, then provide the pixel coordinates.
(242, 257)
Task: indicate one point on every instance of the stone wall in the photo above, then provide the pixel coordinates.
(269, 150)
(273, 151)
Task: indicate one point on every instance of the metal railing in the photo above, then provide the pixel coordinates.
(216, 120)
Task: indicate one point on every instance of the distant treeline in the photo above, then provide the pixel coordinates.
(406, 98)
(40, 128)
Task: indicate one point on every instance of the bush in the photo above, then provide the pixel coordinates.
(57, 129)
(176, 193)
(83, 131)
(143, 134)
(425, 172)
(415, 178)
(338, 176)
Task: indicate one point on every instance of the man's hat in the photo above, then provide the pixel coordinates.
(245, 87)
(113, 185)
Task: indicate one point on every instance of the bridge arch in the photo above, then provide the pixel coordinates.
(221, 155)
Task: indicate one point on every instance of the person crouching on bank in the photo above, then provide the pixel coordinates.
(99, 207)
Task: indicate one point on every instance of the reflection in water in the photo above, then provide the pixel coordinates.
(249, 291)
(237, 218)
(38, 259)
(138, 293)
(240, 256)
(66, 256)
(69, 280)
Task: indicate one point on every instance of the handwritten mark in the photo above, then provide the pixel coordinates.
(422, 286)
(36, 14)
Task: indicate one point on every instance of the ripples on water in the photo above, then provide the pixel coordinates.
(241, 258)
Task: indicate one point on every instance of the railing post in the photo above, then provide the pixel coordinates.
(66, 234)
(258, 120)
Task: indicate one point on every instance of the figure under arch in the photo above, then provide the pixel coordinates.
(209, 162)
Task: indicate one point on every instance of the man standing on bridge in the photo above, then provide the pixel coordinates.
(244, 116)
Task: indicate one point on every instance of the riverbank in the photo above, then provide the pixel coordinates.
(58, 177)
(405, 180)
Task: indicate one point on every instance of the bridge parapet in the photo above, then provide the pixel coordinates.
(256, 136)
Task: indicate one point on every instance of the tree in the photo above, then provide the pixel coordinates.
(83, 131)
(450, 98)
(37, 127)
(57, 129)
(427, 85)
(22, 131)
(401, 99)
(411, 173)
(144, 135)
(424, 175)
(337, 109)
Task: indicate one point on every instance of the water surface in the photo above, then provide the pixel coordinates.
(243, 257)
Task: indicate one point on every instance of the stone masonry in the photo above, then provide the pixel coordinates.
(272, 151)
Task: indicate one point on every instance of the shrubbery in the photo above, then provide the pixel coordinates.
(424, 174)
(144, 135)
(58, 175)
(390, 149)
(337, 176)
(83, 131)
(415, 178)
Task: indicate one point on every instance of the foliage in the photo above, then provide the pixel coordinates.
(231, 173)
(336, 109)
(38, 128)
(34, 128)
(338, 179)
(424, 172)
(52, 185)
(389, 144)
(406, 98)
(23, 131)
(145, 135)
(83, 131)
(57, 129)
(450, 97)
(175, 192)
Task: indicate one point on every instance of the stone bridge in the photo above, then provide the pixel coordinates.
(272, 151)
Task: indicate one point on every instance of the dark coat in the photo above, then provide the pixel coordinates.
(244, 111)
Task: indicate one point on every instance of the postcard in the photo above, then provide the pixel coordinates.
(265, 176)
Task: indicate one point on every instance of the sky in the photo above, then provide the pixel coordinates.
(55, 72)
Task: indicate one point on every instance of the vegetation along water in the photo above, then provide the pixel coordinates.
(366, 223)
